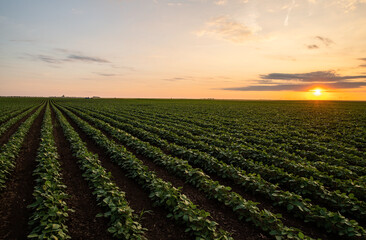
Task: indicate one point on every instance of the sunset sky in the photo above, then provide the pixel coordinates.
(224, 49)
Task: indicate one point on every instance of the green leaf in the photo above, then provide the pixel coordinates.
(301, 235)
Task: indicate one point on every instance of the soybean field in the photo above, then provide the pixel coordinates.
(74, 168)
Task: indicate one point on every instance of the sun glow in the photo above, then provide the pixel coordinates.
(317, 92)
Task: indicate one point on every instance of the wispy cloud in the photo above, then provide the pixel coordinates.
(289, 9)
(68, 56)
(312, 46)
(177, 79)
(324, 40)
(86, 58)
(106, 74)
(362, 65)
(319, 76)
(228, 29)
(45, 58)
(298, 87)
(303, 81)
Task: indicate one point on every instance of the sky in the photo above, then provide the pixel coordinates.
(222, 49)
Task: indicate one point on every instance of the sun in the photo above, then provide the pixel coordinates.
(317, 92)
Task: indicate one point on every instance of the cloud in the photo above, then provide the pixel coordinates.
(319, 76)
(363, 65)
(83, 58)
(228, 29)
(303, 81)
(176, 79)
(45, 58)
(298, 87)
(106, 74)
(362, 59)
(64, 56)
(312, 46)
(285, 23)
(324, 40)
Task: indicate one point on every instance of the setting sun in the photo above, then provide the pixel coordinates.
(317, 92)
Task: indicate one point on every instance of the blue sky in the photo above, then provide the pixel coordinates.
(191, 49)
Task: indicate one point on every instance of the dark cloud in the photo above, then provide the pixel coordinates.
(298, 87)
(319, 76)
(83, 58)
(312, 46)
(324, 40)
(302, 82)
(363, 59)
(363, 65)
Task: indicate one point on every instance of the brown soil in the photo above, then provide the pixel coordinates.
(17, 195)
(5, 137)
(82, 223)
(221, 214)
(153, 218)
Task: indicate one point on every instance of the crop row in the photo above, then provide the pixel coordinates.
(321, 159)
(303, 186)
(122, 220)
(5, 126)
(10, 114)
(332, 222)
(276, 136)
(271, 155)
(222, 150)
(246, 210)
(162, 193)
(50, 211)
(11, 149)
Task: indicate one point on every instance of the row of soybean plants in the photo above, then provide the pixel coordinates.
(275, 134)
(278, 157)
(50, 211)
(123, 222)
(324, 161)
(10, 107)
(218, 149)
(312, 149)
(306, 187)
(162, 193)
(246, 210)
(14, 118)
(295, 204)
(10, 150)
